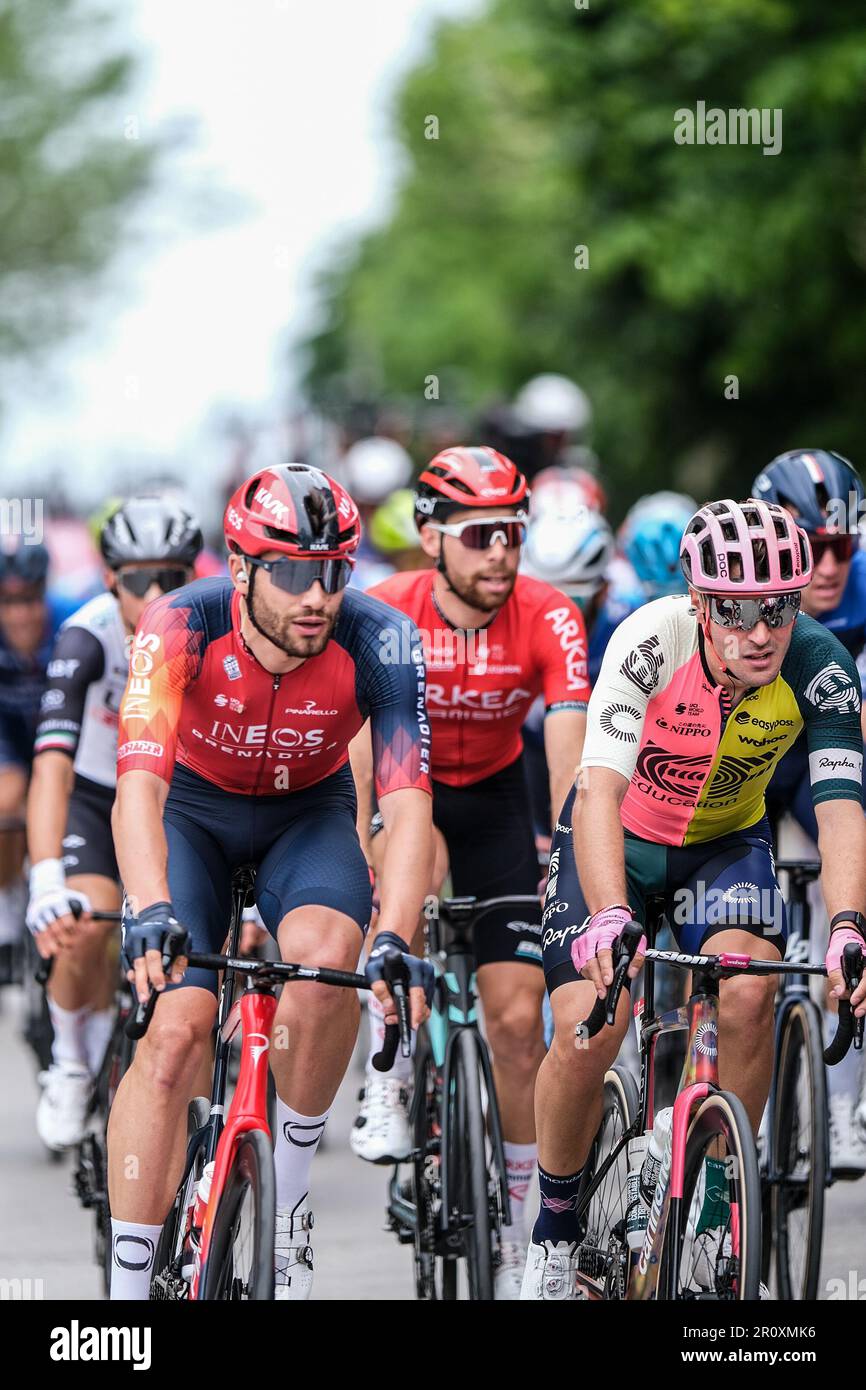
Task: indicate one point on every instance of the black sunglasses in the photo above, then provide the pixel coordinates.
(297, 576)
(137, 582)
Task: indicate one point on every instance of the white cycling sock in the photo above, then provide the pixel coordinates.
(403, 1067)
(98, 1027)
(295, 1143)
(133, 1247)
(844, 1078)
(520, 1164)
(70, 1034)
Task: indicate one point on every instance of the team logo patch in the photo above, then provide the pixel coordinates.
(670, 773)
(615, 720)
(833, 689)
(231, 668)
(733, 773)
(642, 665)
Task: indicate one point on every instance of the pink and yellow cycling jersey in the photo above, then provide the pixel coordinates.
(656, 717)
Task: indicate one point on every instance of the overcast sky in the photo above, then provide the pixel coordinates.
(291, 102)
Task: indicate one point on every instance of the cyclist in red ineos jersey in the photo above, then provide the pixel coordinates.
(234, 728)
(493, 641)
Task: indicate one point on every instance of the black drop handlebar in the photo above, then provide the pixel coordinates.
(269, 972)
(724, 967)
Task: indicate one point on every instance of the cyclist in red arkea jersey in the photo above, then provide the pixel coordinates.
(243, 695)
(493, 641)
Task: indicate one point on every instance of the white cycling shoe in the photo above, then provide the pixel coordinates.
(293, 1253)
(550, 1272)
(62, 1110)
(381, 1133)
(847, 1140)
(508, 1276)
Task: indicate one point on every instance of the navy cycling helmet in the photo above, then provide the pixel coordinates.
(806, 481)
(26, 563)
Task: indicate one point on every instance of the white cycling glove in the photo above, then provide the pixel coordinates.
(50, 897)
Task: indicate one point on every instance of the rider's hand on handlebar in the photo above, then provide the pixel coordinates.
(421, 978)
(146, 938)
(55, 913)
(840, 937)
(591, 951)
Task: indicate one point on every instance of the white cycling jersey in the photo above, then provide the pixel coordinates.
(87, 676)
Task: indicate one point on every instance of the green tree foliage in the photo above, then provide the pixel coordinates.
(556, 130)
(72, 164)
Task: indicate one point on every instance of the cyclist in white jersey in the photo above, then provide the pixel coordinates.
(149, 546)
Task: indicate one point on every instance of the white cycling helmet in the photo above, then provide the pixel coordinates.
(571, 552)
(374, 468)
(552, 404)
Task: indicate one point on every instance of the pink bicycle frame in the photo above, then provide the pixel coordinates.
(253, 1013)
(700, 1075)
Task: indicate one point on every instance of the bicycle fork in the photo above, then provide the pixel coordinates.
(253, 1013)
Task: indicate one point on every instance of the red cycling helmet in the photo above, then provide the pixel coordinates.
(468, 477)
(294, 509)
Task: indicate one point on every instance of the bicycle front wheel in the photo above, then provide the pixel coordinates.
(799, 1153)
(719, 1254)
(240, 1260)
(603, 1253)
(468, 1177)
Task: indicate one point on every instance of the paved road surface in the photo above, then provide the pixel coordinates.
(45, 1235)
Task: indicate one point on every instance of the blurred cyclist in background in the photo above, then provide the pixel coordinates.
(558, 413)
(371, 470)
(30, 616)
(824, 493)
(149, 546)
(394, 534)
(650, 540)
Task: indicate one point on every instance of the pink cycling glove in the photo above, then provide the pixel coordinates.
(599, 933)
(839, 939)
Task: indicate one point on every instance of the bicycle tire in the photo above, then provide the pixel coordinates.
(800, 1044)
(425, 1152)
(607, 1207)
(469, 1163)
(251, 1172)
(720, 1118)
(169, 1245)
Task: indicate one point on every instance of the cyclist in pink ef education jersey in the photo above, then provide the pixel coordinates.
(698, 698)
(243, 696)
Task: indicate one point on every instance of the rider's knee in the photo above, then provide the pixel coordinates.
(174, 1049)
(748, 1001)
(516, 1031)
(573, 1048)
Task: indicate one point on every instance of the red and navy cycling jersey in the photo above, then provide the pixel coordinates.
(196, 694)
(483, 681)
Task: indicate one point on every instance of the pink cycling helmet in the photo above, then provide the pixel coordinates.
(745, 547)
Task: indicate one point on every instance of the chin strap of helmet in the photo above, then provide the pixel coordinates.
(248, 600)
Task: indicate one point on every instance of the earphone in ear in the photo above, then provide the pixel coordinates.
(242, 574)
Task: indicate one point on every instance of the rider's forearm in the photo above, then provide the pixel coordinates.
(139, 838)
(842, 843)
(408, 860)
(564, 733)
(599, 845)
(48, 805)
(361, 760)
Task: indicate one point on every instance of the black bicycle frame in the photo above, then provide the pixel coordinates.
(459, 1006)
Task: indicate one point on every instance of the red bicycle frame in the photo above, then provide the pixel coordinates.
(253, 1013)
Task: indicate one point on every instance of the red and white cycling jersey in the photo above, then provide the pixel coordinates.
(481, 682)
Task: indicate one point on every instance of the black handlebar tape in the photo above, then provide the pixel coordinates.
(42, 973)
(396, 973)
(604, 1010)
(138, 1021)
(852, 969)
